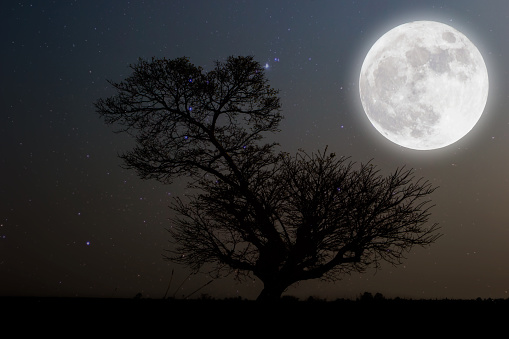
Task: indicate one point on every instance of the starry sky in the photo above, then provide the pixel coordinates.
(74, 223)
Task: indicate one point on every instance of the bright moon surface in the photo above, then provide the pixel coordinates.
(423, 85)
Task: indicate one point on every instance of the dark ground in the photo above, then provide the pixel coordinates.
(290, 318)
(198, 314)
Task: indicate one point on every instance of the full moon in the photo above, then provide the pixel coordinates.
(423, 85)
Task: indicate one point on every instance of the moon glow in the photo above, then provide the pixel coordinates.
(423, 85)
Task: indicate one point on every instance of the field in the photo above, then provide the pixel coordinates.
(242, 309)
(85, 317)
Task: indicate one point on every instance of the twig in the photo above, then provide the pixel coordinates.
(198, 289)
(169, 283)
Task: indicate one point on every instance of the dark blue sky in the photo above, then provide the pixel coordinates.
(74, 223)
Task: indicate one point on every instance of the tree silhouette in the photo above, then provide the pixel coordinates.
(281, 218)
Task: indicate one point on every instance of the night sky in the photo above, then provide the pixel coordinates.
(74, 223)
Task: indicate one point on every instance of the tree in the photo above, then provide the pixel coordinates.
(331, 217)
(282, 218)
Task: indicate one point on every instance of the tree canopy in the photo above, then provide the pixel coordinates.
(187, 121)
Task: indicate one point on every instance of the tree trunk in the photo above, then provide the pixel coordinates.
(271, 292)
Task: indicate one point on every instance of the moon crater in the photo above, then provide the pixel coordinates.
(423, 85)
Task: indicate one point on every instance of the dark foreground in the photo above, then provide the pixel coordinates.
(238, 307)
(202, 316)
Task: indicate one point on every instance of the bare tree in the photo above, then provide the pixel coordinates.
(331, 217)
(282, 218)
(188, 122)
